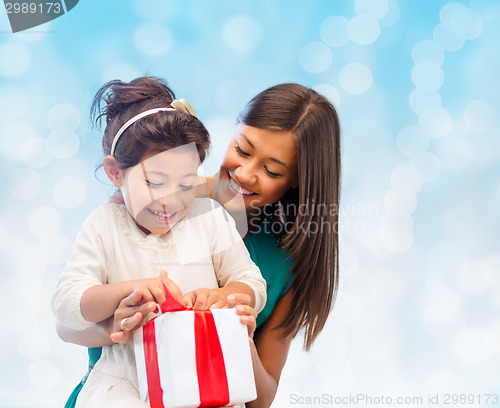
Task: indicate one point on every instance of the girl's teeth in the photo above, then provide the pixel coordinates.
(240, 190)
(162, 215)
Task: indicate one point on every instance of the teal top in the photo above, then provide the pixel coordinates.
(274, 266)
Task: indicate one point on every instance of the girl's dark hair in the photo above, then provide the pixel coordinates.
(313, 206)
(118, 101)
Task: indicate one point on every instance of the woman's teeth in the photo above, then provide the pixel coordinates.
(240, 190)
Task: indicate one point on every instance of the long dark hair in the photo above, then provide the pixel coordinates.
(314, 206)
(118, 101)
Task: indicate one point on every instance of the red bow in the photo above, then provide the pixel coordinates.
(210, 367)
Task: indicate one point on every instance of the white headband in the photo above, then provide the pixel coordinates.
(180, 105)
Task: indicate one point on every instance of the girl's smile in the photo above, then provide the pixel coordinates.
(162, 218)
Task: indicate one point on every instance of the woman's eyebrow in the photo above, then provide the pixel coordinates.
(271, 158)
(248, 141)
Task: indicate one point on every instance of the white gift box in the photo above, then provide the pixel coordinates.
(177, 370)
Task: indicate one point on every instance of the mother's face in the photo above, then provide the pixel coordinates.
(259, 167)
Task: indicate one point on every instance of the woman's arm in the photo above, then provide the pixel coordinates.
(98, 335)
(269, 354)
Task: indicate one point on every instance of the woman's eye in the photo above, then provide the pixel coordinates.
(241, 152)
(186, 187)
(270, 173)
(153, 185)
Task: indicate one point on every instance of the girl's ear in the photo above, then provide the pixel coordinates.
(112, 169)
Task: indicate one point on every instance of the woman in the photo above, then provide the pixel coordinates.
(283, 164)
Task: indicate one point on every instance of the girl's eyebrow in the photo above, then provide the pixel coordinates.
(271, 158)
(159, 173)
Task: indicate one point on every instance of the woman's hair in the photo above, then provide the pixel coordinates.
(151, 134)
(312, 209)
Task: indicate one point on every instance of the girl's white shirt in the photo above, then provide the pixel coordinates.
(203, 250)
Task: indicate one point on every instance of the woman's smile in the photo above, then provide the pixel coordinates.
(238, 189)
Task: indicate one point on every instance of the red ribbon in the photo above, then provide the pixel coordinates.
(210, 367)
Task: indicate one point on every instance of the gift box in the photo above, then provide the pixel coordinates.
(194, 358)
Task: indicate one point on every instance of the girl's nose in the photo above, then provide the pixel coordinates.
(170, 202)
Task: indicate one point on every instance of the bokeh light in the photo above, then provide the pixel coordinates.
(461, 21)
(24, 183)
(315, 57)
(356, 78)
(242, 33)
(363, 29)
(446, 39)
(334, 31)
(13, 52)
(153, 39)
(43, 221)
(35, 152)
(479, 116)
(412, 140)
(64, 116)
(375, 8)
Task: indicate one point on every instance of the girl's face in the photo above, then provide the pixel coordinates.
(159, 190)
(259, 167)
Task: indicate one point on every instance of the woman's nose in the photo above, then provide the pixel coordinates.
(245, 174)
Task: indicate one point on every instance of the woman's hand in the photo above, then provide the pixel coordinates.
(144, 299)
(248, 315)
(129, 315)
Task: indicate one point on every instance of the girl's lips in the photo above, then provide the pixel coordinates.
(162, 218)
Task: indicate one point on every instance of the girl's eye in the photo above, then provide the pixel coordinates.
(153, 185)
(270, 173)
(185, 188)
(241, 152)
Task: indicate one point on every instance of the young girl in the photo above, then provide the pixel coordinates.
(153, 147)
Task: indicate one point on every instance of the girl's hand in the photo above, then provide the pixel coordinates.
(218, 298)
(248, 315)
(204, 298)
(153, 289)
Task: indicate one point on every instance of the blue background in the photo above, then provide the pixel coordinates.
(416, 87)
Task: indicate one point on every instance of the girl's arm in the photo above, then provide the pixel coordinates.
(101, 301)
(109, 331)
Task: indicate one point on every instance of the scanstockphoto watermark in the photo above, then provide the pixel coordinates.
(364, 399)
(25, 14)
(349, 218)
(354, 399)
